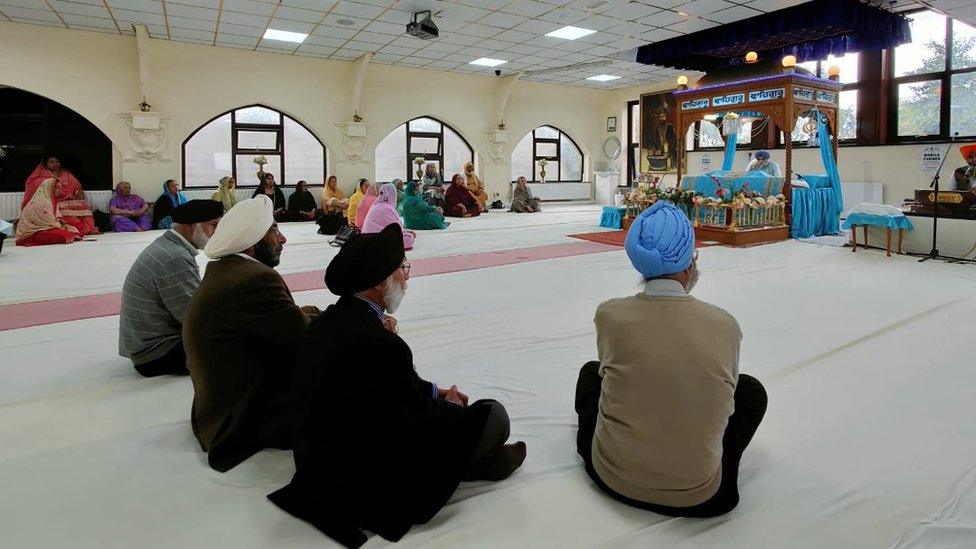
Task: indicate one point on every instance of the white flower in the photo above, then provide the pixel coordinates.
(259, 160)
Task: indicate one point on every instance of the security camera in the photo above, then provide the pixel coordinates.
(498, 72)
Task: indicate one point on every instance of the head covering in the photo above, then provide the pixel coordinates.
(197, 211)
(242, 227)
(388, 195)
(468, 167)
(177, 199)
(227, 197)
(411, 188)
(762, 155)
(118, 188)
(661, 241)
(365, 261)
(41, 213)
(967, 150)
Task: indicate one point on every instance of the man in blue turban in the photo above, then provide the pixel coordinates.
(761, 162)
(664, 416)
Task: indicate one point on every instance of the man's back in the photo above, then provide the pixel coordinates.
(155, 294)
(240, 332)
(669, 366)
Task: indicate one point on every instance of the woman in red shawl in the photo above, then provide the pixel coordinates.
(70, 196)
(40, 222)
(459, 200)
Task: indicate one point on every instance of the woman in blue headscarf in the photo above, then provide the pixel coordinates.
(170, 199)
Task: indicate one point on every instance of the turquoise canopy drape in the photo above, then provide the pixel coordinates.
(730, 142)
(816, 211)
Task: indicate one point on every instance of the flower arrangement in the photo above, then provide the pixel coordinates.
(260, 160)
(419, 160)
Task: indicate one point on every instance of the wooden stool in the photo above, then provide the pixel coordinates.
(901, 236)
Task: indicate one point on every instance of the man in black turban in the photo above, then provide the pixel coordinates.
(158, 288)
(377, 447)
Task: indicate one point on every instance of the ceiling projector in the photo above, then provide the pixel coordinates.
(425, 29)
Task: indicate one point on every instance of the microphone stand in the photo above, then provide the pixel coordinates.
(934, 252)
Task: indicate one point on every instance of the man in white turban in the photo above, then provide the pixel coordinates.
(664, 416)
(240, 332)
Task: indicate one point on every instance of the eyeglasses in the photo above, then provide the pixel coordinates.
(405, 267)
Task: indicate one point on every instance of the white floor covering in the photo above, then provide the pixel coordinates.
(867, 362)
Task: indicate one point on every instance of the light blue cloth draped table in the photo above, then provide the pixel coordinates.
(708, 183)
(885, 221)
(816, 211)
(612, 217)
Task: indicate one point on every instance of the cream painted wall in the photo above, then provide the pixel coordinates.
(97, 75)
(898, 167)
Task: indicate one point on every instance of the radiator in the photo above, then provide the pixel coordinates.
(244, 194)
(10, 202)
(559, 191)
(856, 192)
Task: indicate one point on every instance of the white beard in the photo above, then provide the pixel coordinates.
(393, 294)
(692, 280)
(199, 238)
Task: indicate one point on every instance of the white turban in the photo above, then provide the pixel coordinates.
(241, 227)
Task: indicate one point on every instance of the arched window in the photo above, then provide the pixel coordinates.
(421, 137)
(229, 143)
(564, 158)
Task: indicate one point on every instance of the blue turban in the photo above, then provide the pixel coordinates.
(763, 155)
(661, 241)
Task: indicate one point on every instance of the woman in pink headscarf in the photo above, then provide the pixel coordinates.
(383, 213)
(365, 205)
(40, 221)
(70, 197)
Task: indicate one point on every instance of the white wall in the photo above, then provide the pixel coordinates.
(97, 75)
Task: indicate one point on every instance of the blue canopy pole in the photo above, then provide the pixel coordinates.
(730, 141)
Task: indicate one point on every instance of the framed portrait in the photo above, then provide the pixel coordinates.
(611, 124)
(659, 139)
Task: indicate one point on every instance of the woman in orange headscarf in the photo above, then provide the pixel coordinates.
(475, 186)
(70, 197)
(40, 221)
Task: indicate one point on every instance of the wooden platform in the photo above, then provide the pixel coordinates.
(745, 237)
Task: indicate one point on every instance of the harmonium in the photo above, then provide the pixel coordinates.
(952, 204)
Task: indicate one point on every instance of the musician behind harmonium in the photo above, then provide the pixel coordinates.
(966, 175)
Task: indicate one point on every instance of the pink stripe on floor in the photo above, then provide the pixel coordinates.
(41, 313)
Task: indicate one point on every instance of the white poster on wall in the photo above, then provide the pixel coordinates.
(706, 162)
(930, 159)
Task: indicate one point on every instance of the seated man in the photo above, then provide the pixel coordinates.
(158, 289)
(761, 163)
(241, 331)
(377, 447)
(966, 176)
(665, 415)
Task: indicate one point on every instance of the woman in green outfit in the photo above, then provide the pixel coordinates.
(418, 215)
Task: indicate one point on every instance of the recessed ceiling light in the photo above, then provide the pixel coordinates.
(603, 78)
(683, 13)
(488, 62)
(345, 22)
(285, 36)
(570, 32)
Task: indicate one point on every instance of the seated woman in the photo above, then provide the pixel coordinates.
(761, 163)
(398, 184)
(432, 186)
(419, 215)
(476, 187)
(163, 208)
(459, 201)
(522, 199)
(73, 205)
(270, 188)
(363, 188)
(383, 213)
(301, 204)
(333, 200)
(365, 205)
(129, 211)
(225, 193)
(41, 222)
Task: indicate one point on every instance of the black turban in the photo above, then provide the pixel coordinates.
(197, 211)
(365, 261)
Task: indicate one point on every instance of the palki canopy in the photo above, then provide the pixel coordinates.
(809, 31)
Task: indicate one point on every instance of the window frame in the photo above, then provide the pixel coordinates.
(551, 159)
(278, 129)
(944, 77)
(632, 171)
(440, 145)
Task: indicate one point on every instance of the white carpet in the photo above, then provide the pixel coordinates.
(867, 362)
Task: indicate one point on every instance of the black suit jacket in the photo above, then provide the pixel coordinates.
(375, 448)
